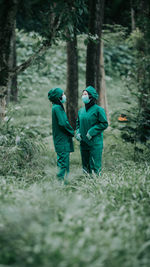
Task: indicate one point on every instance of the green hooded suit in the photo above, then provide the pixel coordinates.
(62, 132)
(91, 123)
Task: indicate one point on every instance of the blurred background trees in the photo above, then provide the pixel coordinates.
(124, 28)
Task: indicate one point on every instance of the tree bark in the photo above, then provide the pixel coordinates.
(72, 81)
(90, 56)
(133, 26)
(12, 84)
(96, 10)
(8, 11)
(103, 95)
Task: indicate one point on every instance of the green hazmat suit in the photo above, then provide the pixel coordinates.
(90, 124)
(62, 132)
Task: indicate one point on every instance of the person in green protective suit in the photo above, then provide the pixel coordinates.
(62, 131)
(91, 123)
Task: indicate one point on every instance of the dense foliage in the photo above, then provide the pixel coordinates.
(127, 56)
(39, 16)
(138, 83)
(117, 53)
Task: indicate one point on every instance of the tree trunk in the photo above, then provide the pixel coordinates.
(103, 95)
(13, 80)
(72, 81)
(133, 26)
(96, 10)
(132, 19)
(8, 11)
(91, 47)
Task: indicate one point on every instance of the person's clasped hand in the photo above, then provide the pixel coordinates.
(89, 137)
(78, 137)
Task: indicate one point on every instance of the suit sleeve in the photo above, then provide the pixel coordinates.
(101, 125)
(63, 122)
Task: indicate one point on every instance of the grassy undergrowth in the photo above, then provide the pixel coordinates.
(95, 222)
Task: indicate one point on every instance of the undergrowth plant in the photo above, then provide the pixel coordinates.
(19, 145)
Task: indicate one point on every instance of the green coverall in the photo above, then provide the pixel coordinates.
(62, 132)
(91, 122)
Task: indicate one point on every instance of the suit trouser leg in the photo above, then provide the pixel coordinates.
(96, 158)
(85, 156)
(62, 164)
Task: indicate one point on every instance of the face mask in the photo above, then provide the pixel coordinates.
(63, 99)
(85, 99)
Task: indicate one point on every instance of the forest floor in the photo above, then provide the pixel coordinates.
(96, 222)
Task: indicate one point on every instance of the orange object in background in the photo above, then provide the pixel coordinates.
(122, 118)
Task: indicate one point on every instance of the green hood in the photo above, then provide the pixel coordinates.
(54, 94)
(91, 90)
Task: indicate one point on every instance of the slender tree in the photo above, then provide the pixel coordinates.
(103, 95)
(96, 9)
(72, 80)
(13, 88)
(8, 11)
(78, 8)
(133, 26)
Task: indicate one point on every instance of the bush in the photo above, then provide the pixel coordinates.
(118, 56)
(137, 130)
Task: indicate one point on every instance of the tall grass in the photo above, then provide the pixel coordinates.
(89, 222)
